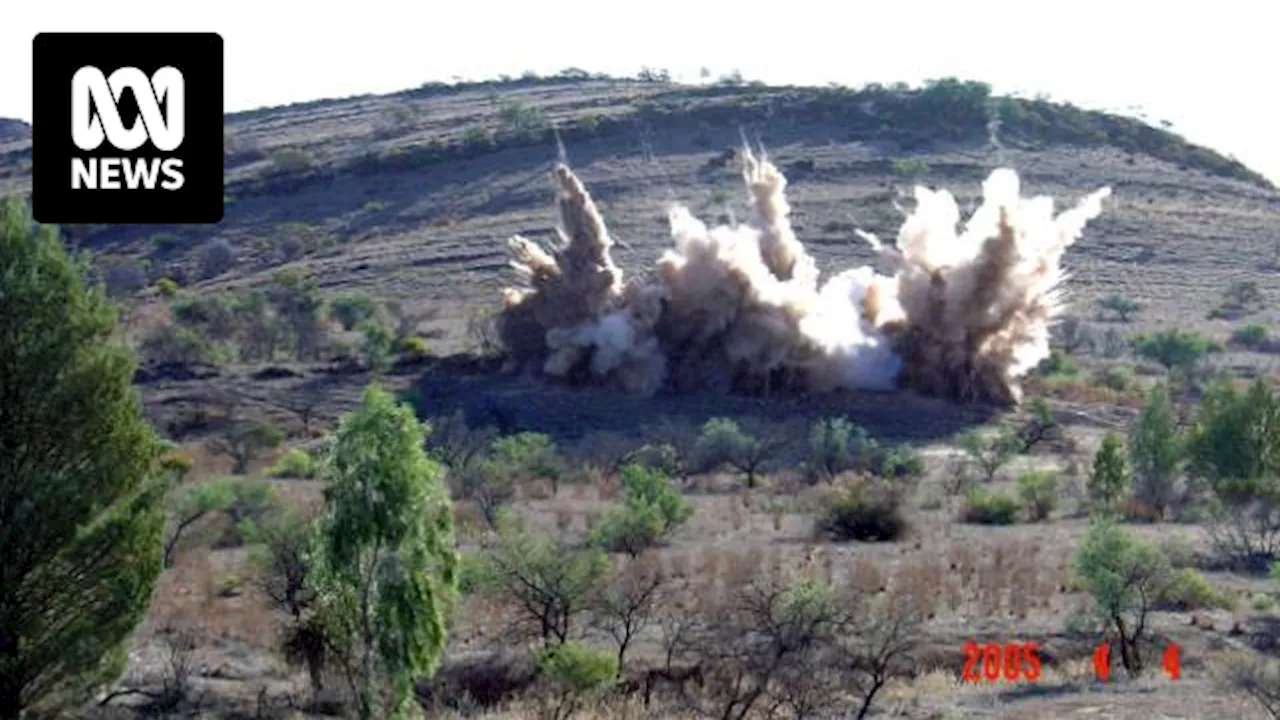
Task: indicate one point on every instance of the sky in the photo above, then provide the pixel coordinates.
(1198, 65)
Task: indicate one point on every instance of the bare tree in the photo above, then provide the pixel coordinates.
(628, 606)
(1257, 677)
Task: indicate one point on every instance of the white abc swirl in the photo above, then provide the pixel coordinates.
(88, 129)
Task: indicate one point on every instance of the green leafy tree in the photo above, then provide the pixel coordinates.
(652, 508)
(1155, 452)
(1179, 351)
(1235, 442)
(384, 565)
(80, 480)
(1109, 478)
(1126, 578)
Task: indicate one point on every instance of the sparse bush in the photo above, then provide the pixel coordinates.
(1239, 299)
(1257, 677)
(1109, 477)
(296, 463)
(216, 257)
(488, 484)
(1039, 493)
(243, 441)
(864, 512)
(291, 160)
(984, 506)
(548, 582)
(1120, 306)
(174, 344)
(987, 455)
(1115, 377)
(375, 345)
(910, 168)
(352, 308)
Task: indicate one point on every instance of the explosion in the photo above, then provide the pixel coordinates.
(964, 314)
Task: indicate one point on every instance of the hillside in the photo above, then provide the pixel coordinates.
(409, 197)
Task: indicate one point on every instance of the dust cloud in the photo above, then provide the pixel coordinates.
(963, 313)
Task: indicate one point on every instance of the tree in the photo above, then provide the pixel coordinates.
(1177, 350)
(384, 565)
(1126, 577)
(1123, 307)
(243, 441)
(80, 479)
(723, 442)
(1110, 476)
(1155, 452)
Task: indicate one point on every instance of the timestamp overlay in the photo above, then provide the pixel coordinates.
(1017, 661)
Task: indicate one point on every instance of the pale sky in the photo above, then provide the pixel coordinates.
(1208, 67)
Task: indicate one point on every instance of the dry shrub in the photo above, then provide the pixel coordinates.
(865, 510)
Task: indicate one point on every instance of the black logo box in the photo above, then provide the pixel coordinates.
(57, 57)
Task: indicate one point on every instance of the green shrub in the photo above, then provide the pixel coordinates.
(865, 512)
(1180, 350)
(351, 309)
(1110, 476)
(1115, 377)
(652, 507)
(1253, 337)
(415, 347)
(168, 287)
(989, 507)
(1039, 493)
(296, 463)
(1189, 590)
(1058, 364)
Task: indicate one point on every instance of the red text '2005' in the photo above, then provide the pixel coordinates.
(994, 662)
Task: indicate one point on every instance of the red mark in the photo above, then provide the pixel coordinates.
(1010, 662)
(1102, 662)
(1172, 662)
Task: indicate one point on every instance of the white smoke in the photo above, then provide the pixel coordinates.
(964, 315)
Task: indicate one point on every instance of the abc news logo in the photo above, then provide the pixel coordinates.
(127, 128)
(161, 124)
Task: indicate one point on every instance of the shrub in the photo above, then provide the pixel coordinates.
(1120, 306)
(296, 463)
(1176, 350)
(1115, 377)
(375, 345)
(1253, 337)
(1059, 364)
(216, 257)
(1039, 493)
(351, 309)
(531, 456)
(836, 446)
(984, 506)
(291, 160)
(415, 347)
(652, 508)
(168, 287)
(574, 672)
(865, 512)
(1189, 590)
